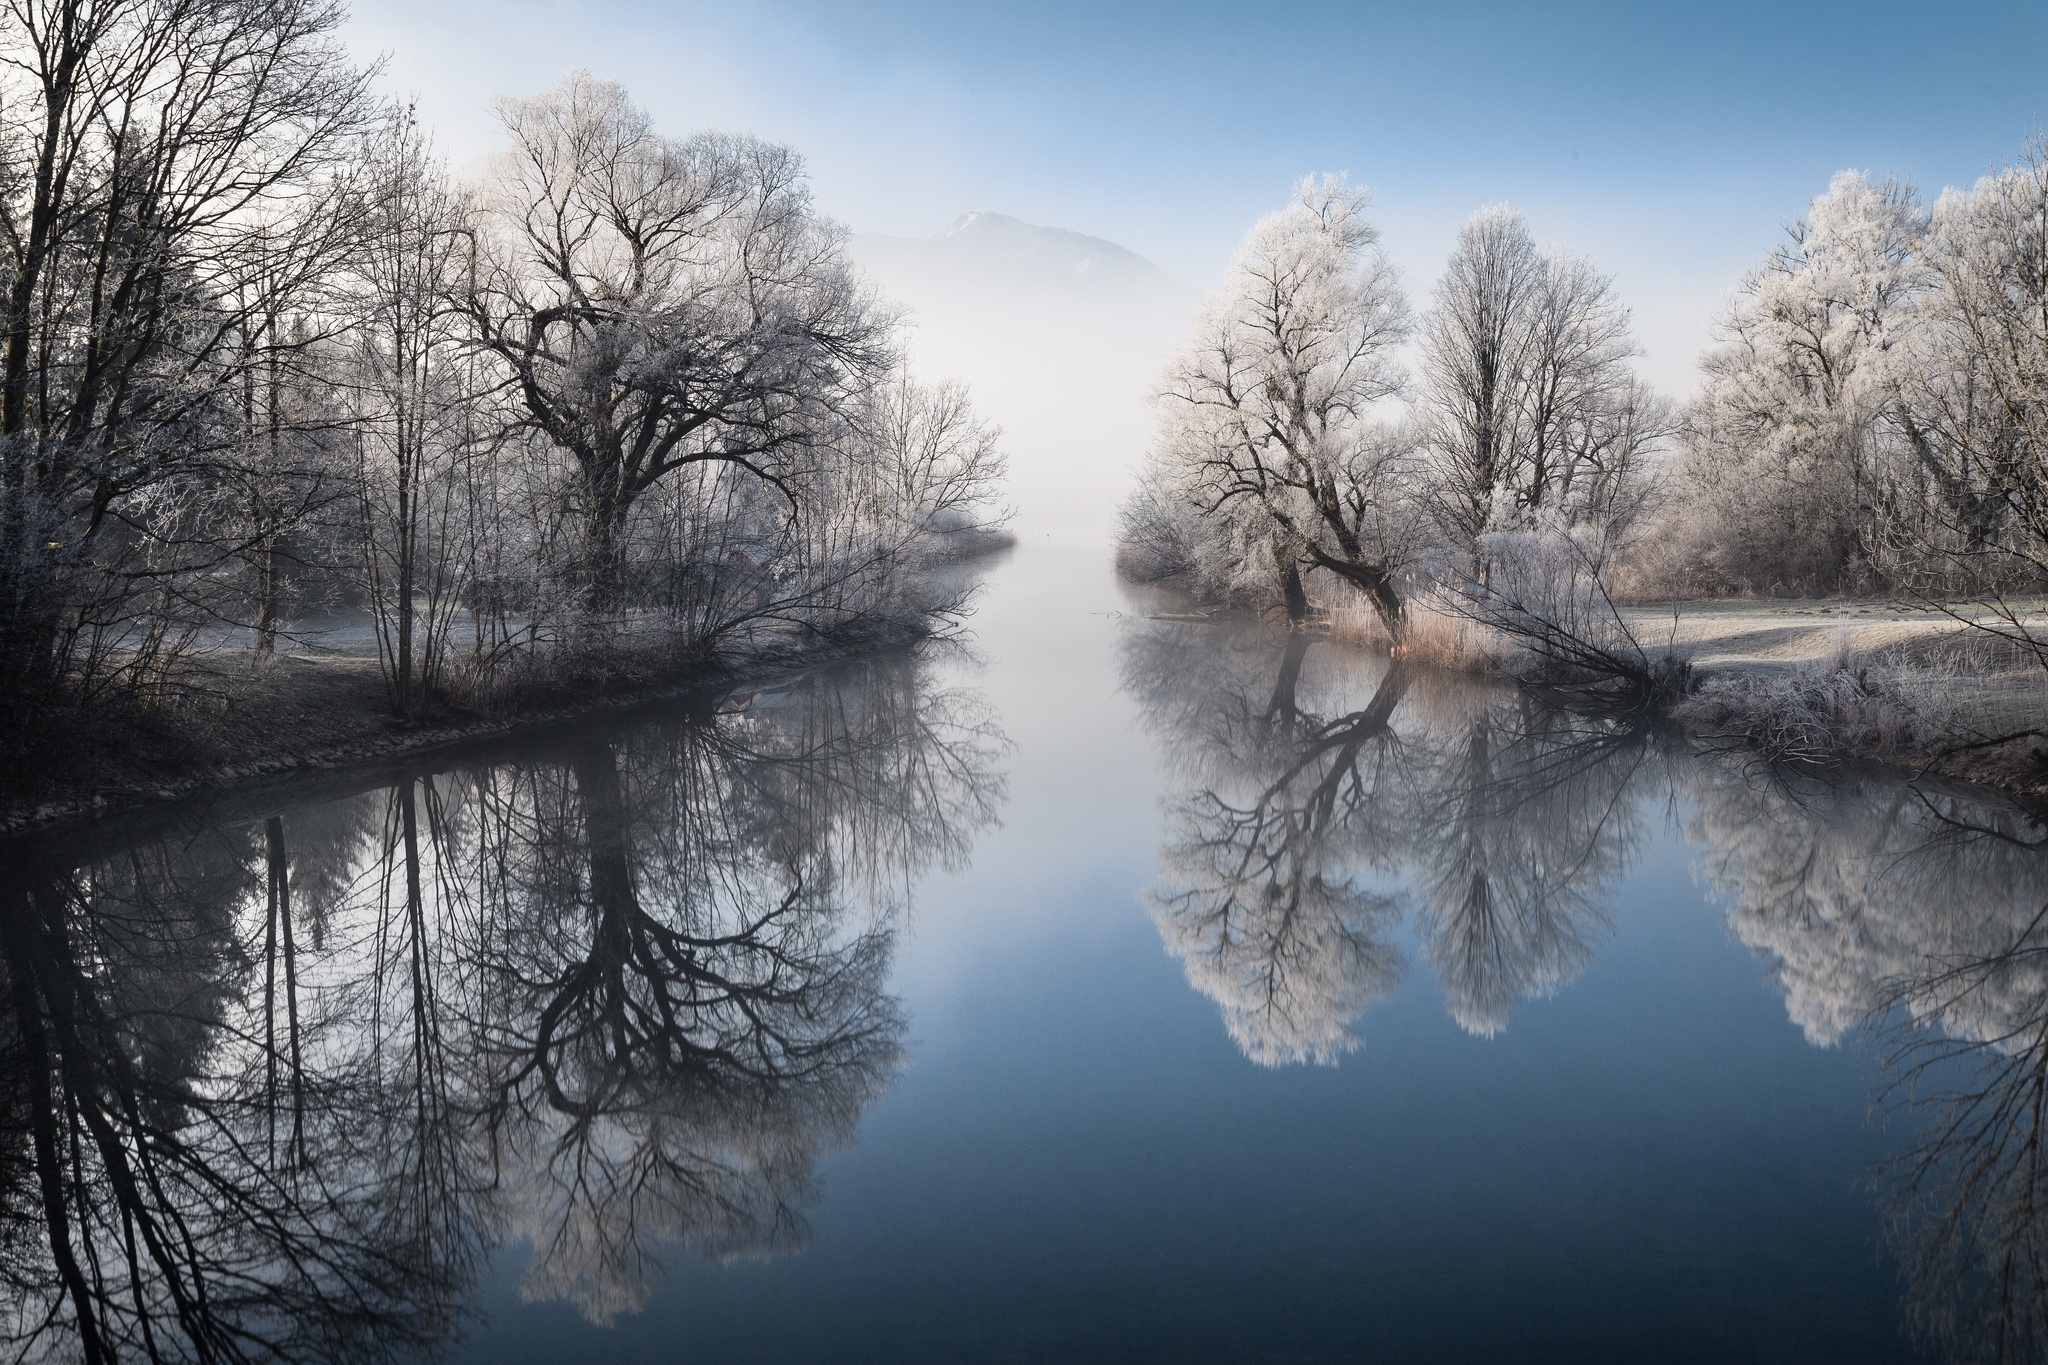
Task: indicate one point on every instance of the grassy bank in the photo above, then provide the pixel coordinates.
(1816, 683)
(252, 721)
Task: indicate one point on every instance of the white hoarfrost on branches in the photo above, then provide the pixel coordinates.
(1789, 437)
(660, 303)
(1532, 410)
(1874, 414)
(623, 406)
(732, 442)
(1292, 451)
(1977, 399)
(168, 207)
(1275, 454)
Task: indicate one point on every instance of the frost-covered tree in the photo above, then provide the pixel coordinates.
(161, 165)
(1273, 449)
(1788, 447)
(1975, 406)
(661, 303)
(625, 404)
(1474, 342)
(1530, 405)
(415, 406)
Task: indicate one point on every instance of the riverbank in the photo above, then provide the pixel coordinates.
(297, 713)
(1810, 683)
(1881, 682)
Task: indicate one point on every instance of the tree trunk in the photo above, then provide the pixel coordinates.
(280, 929)
(1282, 711)
(266, 598)
(1377, 585)
(411, 705)
(269, 529)
(1387, 602)
(604, 565)
(1291, 590)
(30, 624)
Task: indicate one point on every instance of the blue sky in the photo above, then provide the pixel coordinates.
(1668, 142)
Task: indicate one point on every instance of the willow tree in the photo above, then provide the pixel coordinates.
(1269, 422)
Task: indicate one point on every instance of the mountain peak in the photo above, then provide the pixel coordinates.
(986, 243)
(984, 219)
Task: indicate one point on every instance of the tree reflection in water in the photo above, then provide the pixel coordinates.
(1310, 818)
(278, 1088)
(1919, 916)
(1311, 810)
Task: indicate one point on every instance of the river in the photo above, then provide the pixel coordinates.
(1089, 987)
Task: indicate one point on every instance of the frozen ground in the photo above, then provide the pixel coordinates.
(1770, 635)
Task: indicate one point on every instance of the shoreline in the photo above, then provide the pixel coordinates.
(278, 729)
(1793, 686)
(369, 743)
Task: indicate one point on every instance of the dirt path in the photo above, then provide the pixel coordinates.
(1779, 635)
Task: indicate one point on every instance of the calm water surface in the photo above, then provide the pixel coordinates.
(1099, 988)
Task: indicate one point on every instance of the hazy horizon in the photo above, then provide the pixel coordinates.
(1669, 146)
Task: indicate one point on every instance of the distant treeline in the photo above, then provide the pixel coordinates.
(620, 404)
(1872, 418)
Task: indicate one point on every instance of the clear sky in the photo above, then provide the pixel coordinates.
(1669, 142)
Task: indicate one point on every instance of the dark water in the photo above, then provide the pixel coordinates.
(1103, 988)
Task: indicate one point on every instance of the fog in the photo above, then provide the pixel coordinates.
(1059, 335)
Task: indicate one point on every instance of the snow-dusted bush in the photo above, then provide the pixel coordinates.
(1545, 590)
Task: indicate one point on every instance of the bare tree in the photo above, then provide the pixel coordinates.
(149, 151)
(1530, 407)
(1976, 401)
(413, 389)
(1475, 346)
(661, 303)
(279, 484)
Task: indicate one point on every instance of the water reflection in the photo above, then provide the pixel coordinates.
(1321, 797)
(1921, 915)
(280, 1081)
(1318, 798)
(276, 1087)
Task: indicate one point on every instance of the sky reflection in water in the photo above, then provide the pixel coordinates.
(1113, 989)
